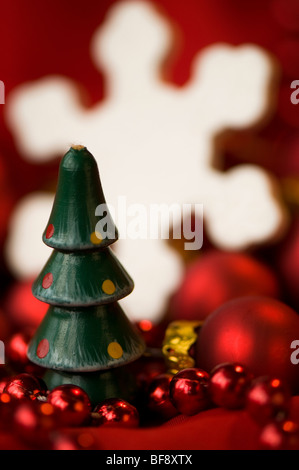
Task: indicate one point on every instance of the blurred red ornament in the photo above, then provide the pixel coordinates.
(146, 368)
(217, 277)
(16, 353)
(72, 402)
(3, 383)
(5, 326)
(23, 308)
(152, 334)
(254, 331)
(158, 397)
(268, 399)
(7, 408)
(286, 13)
(288, 259)
(16, 348)
(228, 385)
(115, 412)
(25, 386)
(189, 391)
(280, 436)
(32, 421)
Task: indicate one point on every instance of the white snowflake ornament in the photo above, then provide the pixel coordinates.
(154, 142)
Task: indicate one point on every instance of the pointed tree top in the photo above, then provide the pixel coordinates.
(78, 158)
(72, 223)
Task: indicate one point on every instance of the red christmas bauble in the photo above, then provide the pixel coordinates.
(228, 385)
(7, 409)
(73, 404)
(254, 331)
(189, 391)
(158, 397)
(115, 412)
(22, 307)
(217, 277)
(268, 399)
(280, 436)
(16, 348)
(16, 354)
(25, 386)
(145, 369)
(152, 334)
(288, 261)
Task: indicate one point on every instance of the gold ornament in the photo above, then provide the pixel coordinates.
(180, 336)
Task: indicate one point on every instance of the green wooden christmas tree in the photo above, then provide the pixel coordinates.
(85, 338)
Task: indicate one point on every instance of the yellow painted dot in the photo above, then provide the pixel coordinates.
(108, 287)
(115, 350)
(96, 238)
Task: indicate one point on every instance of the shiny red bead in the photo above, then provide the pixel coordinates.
(268, 399)
(115, 412)
(25, 386)
(158, 397)
(228, 385)
(189, 391)
(73, 404)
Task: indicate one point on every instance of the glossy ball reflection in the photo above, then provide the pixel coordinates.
(115, 412)
(159, 398)
(254, 331)
(228, 385)
(268, 399)
(73, 404)
(189, 391)
(25, 386)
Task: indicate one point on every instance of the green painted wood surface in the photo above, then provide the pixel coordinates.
(79, 338)
(78, 279)
(79, 192)
(84, 318)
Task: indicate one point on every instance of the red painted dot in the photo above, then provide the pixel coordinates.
(47, 281)
(42, 348)
(50, 231)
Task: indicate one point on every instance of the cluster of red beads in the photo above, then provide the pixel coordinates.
(231, 386)
(33, 413)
